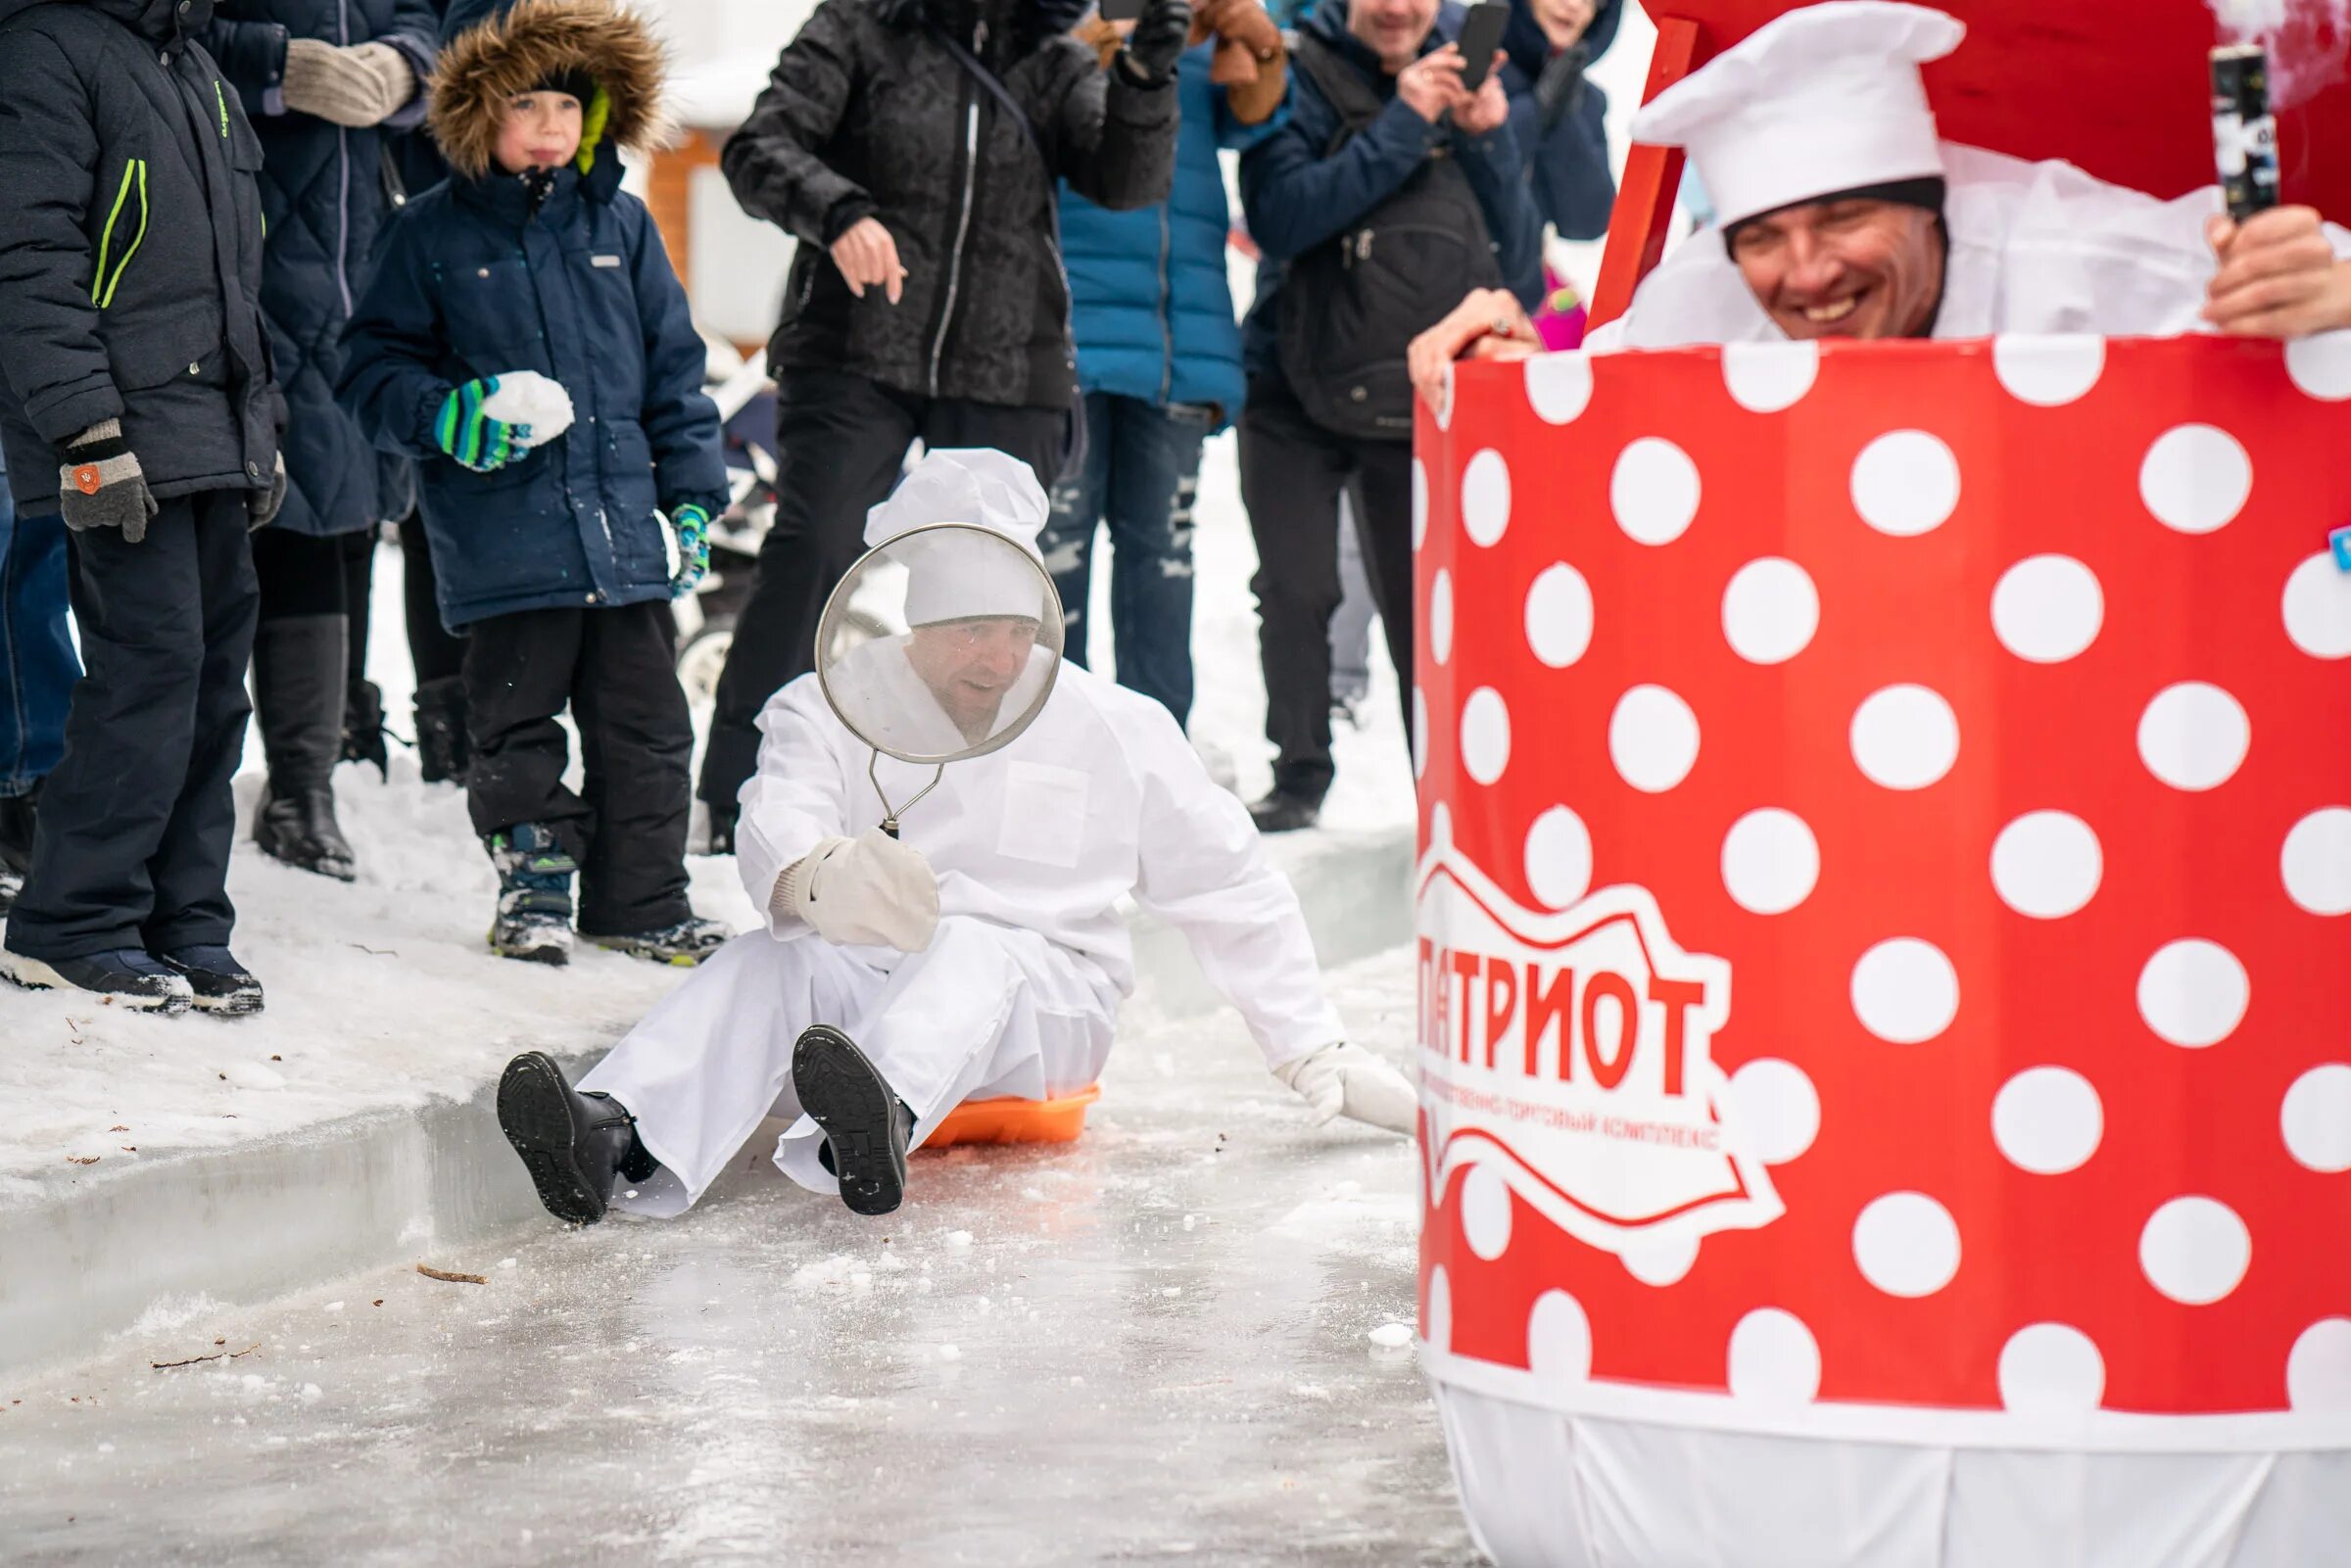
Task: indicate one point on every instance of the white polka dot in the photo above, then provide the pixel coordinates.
(1652, 739)
(1420, 504)
(1770, 861)
(1486, 497)
(2195, 1249)
(2315, 1119)
(2318, 1369)
(1653, 491)
(1766, 377)
(1559, 386)
(1486, 1211)
(2193, 993)
(2193, 735)
(1770, 611)
(1905, 991)
(2046, 864)
(1438, 1329)
(2196, 478)
(1905, 736)
(1661, 1263)
(1775, 1109)
(2047, 372)
(2317, 862)
(2047, 608)
(1419, 734)
(1559, 616)
(2047, 1121)
(1440, 825)
(1559, 858)
(1906, 1243)
(1905, 483)
(2320, 365)
(2052, 1370)
(1440, 616)
(1559, 1338)
(1485, 734)
(1774, 1359)
(2318, 608)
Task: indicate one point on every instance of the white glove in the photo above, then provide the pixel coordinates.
(1347, 1081)
(866, 892)
(535, 408)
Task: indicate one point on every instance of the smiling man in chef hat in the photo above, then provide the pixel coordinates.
(1842, 213)
(981, 954)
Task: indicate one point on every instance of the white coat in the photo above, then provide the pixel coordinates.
(2035, 247)
(1034, 846)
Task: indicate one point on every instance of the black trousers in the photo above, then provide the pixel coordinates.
(616, 669)
(437, 654)
(841, 441)
(1292, 472)
(136, 820)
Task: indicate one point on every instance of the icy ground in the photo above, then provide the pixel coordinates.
(382, 993)
(1169, 1342)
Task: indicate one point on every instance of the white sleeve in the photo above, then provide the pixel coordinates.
(792, 801)
(1204, 871)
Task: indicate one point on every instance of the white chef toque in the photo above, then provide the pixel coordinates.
(954, 575)
(1821, 100)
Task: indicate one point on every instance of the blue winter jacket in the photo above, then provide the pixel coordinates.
(1567, 163)
(472, 285)
(1149, 294)
(1298, 194)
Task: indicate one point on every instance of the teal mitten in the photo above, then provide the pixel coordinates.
(473, 438)
(693, 549)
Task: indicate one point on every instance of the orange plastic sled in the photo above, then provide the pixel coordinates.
(1015, 1120)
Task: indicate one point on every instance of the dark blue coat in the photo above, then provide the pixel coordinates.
(471, 284)
(1150, 297)
(326, 200)
(1567, 159)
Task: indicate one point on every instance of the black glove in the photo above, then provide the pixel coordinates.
(100, 483)
(1159, 40)
(263, 508)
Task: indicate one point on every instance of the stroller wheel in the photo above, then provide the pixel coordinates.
(703, 657)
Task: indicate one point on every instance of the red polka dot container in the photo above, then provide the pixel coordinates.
(1885, 929)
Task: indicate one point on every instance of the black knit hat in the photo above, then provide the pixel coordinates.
(572, 79)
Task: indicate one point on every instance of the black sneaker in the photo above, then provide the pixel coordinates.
(221, 984)
(684, 944)
(574, 1145)
(865, 1125)
(127, 974)
(1285, 812)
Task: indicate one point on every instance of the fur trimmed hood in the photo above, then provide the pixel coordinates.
(519, 46)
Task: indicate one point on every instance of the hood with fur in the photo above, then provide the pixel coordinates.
(518, 47)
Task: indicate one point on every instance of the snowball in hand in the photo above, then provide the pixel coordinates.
(535, 407)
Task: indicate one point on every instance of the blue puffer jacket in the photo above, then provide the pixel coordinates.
(324, 198)
(1566, 145)
(1148, 290)
(473, 284)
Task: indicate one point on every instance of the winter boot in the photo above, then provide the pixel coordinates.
(441, 744)
(722, 828)
(128, 975)
(17, 815)
(1285, 811)
(684, 944)
(364, 726)
(574, 1145)
(866, 1125)
(221, 984)
(533, 894)
(298, 690)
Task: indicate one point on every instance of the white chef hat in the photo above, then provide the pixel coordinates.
(955, 574)
(1820, 99)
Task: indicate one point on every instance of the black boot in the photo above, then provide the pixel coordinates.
(441, 744)
(221, 984)
(364, 726)
(16, 816)
(1285, 811)
(866, 1125)
(575, 1145)
(298, 688)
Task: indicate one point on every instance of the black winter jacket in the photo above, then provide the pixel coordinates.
(868, 116)
(130, 249)
(324, 196)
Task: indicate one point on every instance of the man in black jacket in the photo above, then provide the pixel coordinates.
(928, 299)
(139, 401)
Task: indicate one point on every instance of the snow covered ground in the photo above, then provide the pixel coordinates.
(1179, 1339)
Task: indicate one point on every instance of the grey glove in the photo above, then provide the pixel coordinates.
(362, 85)
(1157, 41)
(100, 485)
(265, 504)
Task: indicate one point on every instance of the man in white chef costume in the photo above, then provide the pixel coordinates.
(982, 954)
(1842, 214)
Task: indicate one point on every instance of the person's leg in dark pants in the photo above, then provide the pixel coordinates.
(298, 682)
(1292, 474)
(439, 658)
(1067, 540)
(841, 441)
(637, 745)
(1384, 530)
(1152, 490)
(363, 699)
(1037, 437)
(520, 670)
